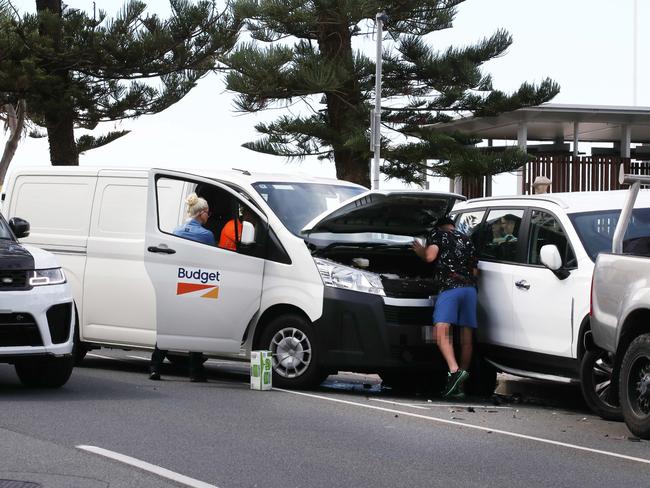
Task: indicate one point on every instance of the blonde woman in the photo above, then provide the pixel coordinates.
(198, 211)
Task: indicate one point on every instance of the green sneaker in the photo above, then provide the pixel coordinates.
(454, 382)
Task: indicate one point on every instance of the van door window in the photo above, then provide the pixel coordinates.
(546, 229)
(499, 235)
(224, 219)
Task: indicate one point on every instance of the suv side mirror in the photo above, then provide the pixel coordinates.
(550, 257)
(20, 227)
(247, 234)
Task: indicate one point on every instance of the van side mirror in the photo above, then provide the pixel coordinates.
(247, 234)
(20, 227)
(550, 257)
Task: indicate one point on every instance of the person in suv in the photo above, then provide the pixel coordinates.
(37, 313)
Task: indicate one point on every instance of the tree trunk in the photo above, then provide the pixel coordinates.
(344, 108)
(59, 121)
(16, 123)
(60, 135)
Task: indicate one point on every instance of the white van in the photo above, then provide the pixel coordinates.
(324, 286)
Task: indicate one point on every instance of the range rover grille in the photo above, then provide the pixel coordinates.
(19, 329)
(13, 280)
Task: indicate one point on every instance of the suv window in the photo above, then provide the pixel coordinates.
(499, 235)
(546, 229)
(468, 222)
(5, 232)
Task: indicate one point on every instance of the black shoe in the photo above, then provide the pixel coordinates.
(454, 382)
(154, 375)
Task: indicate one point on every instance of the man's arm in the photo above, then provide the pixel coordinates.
(426, 253)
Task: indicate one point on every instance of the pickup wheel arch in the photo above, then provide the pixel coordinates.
(635, 324)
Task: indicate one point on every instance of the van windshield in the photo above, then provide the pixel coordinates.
(297, 204)
(596, 230)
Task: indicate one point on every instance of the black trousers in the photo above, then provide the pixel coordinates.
(159, 355)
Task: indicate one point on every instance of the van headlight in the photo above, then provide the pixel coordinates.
(339, 276)
(51, 276)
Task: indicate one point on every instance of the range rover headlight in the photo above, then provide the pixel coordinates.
(51, 276)
(339, 276)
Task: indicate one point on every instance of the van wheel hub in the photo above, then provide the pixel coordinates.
(291, 351)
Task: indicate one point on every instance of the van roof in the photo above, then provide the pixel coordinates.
(237, 176)
(584, 201)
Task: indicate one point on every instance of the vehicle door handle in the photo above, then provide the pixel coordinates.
(162, 250)
(523, 284)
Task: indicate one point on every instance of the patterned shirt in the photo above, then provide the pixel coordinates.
(453, 268)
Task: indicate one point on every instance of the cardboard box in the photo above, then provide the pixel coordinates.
(261, 370)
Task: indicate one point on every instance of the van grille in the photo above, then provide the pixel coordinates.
(408, 315)
(13, 280)
(19, 329)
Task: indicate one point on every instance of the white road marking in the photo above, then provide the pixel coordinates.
(138, 357)
(427, 406)
(101, 357)
(469, 426)
(145, 466)
(410, 405)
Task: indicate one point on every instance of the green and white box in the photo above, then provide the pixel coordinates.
(261, 370)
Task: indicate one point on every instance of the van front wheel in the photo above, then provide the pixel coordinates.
(45, 373)
(294, 351)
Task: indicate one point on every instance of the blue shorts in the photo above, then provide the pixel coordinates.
(457, 306)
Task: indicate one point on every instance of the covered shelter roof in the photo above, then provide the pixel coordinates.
(554, 122)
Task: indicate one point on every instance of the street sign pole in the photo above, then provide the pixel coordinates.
(375, 126)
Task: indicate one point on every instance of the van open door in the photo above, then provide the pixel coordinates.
(205, 295)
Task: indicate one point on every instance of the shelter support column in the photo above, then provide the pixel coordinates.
(576, 128)
(626, 140)
(522, 142)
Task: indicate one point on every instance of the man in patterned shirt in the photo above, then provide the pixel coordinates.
(455, 270)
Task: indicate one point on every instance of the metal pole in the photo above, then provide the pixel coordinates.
(376, 134)
(635, 51)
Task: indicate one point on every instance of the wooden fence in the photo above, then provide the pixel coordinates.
(567, 173)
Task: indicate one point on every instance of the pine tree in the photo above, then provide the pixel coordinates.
(76, 69)
(302, 51)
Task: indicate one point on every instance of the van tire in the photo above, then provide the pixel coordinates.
(45, 373)
(596, 368)
(482, 379)
(411, 382)
(291, 337)
(635, 375)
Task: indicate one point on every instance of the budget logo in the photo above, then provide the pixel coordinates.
(204, 282)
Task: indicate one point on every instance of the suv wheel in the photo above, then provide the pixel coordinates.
(45, 373)
(634, 387)
(596, 370)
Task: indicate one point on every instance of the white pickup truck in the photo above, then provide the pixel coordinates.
(620, 312)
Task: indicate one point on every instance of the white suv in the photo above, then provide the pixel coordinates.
(37, 313)
(536, 256)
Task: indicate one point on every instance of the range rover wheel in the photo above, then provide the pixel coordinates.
(596, 369)
(634, 386)
(45, 373)
(295, 355)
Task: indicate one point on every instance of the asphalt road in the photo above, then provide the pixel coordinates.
(349, 432)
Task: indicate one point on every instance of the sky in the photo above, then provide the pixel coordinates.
(584, 45)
